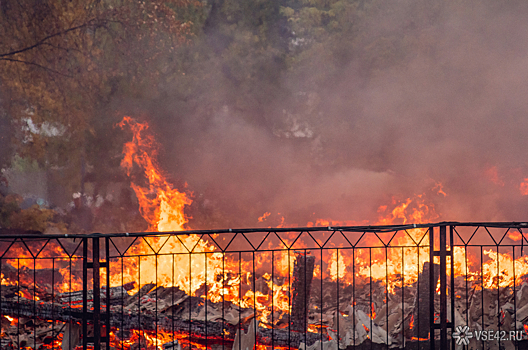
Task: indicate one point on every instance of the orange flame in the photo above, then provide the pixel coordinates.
(163, 208)
(366, 328)
(419, 339)
(524, 187)
(160, 204)
(264, 217)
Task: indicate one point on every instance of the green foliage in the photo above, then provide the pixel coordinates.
(34, 218)
(9, 206)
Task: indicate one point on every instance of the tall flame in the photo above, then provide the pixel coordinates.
(163, 206)
(160, 204)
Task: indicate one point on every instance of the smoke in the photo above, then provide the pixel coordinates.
(441, 97)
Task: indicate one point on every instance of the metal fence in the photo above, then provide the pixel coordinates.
(368, 287)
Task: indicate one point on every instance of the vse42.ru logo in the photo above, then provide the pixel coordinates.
(462, 335)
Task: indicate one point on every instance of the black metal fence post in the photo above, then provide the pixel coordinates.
(452, 283)
(85, 294)
(107, 321)
(432, 289)
(96, 295)
(443, 288)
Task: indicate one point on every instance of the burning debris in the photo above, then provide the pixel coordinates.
(302, 288)
(320, 312)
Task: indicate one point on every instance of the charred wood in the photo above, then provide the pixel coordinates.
(422, 315)
(198, 329)
(301, 286)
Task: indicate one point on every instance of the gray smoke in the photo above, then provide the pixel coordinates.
(451, 109)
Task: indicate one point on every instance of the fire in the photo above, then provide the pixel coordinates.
(419, 339)
(492, 174)
(524, 187)
(12, 320)
(337, 265)
(163, 206)
(166, 261)
(399, 267)
(160, 204)
(264, 217)
(439, 189)
(500, 269)
(515, 235)
(376, 264)
(148, 340)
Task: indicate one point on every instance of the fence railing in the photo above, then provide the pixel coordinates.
(399, 286)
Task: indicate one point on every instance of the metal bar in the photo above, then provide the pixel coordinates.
(190, 305)
(359, 229)
(514, 292)
(387, 295)
(206, 301)
(223, 301)
(452, 288)
(139, 300)
(321, 299)
(69, 299)
(370, 296)
(467, 286)
(35, 301)
(96, 295)
(432, 288)
(443, 288)
(122, 298)
(403, 297)
(353, 293)
(52, 300)
(18, 300)
(107, 321)
(85, 293)
(172, 297)
(240, 329)
(255, 300)
(482, 290)
(337, 298)
(156, 296)
(273, 299)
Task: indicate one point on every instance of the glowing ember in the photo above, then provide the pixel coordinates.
(264, 217)
(419, 339)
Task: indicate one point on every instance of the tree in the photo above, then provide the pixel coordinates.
(63, 64)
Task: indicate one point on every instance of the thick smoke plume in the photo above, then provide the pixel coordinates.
(450, 110)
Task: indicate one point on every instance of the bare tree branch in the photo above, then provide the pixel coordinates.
(35, 64)
(42, 41)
